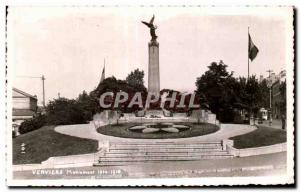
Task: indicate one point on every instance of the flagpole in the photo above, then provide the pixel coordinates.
(104, 68)
(249, 109)
(248, 53)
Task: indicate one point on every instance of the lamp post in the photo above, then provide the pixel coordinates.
(270, 91)
(270, 122)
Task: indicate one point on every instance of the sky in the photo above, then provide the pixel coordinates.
(68, 45)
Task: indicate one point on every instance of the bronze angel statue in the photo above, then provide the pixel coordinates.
(152, 28)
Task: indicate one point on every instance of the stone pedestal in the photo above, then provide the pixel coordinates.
(153, 70)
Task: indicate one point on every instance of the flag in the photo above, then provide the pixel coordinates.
(103, 74)
(252, 49)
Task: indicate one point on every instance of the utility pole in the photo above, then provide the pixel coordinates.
(270, 90)
(269, 71)
(43, 82)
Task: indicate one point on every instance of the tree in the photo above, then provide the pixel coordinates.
(134, 83)
(215, 88)
(87, 104)
(225, 94)
(258, 95)
(64, 111)
(136, 79)
(263, 102)
(252, 89)
(242, 96)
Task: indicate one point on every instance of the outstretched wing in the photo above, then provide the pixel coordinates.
(146, 23)
(151, 21)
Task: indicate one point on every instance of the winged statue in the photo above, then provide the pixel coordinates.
(152, 28)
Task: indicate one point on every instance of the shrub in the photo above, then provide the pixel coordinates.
(64, 111)
(32, 124)
(88, 104)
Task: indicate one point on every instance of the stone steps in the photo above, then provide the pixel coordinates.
(162, 158)
(117, 160)
(173, 146)
(135, 152)
(164, 147)
(163, 142)
(169, 154)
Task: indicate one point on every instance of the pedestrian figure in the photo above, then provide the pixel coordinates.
(283, 121)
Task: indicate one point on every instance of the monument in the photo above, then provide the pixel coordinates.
(153, 67)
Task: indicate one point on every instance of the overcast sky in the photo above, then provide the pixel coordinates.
(68, 45)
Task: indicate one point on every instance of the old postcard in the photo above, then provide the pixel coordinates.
(149, 95)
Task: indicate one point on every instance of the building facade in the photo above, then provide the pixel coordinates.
(276, 81)
(278, 95)
(278, 98)
(24, 107)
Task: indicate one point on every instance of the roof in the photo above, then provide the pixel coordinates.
(24, 93)
(23, 112)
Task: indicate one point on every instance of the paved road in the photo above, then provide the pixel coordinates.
(88, 131)
(269, 164)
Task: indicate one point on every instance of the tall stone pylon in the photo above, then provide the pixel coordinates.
(153, 67)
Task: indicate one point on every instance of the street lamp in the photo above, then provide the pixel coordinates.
(269, 84)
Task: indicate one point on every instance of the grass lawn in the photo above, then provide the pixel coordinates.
(262, 136)
(45, 142)
(121, 130)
